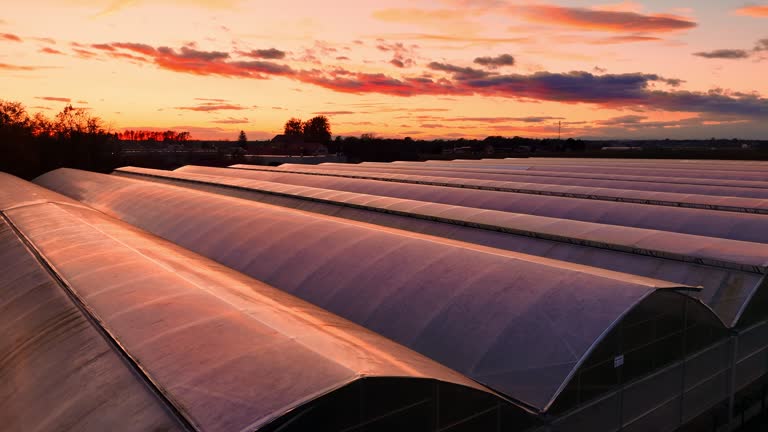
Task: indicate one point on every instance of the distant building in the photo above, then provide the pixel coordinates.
(288, 145)
(622, 148)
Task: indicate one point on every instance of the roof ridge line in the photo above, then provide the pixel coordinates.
(133, 365)
(588, 196)
(712, 262)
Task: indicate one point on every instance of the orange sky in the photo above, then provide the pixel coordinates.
(419, 68)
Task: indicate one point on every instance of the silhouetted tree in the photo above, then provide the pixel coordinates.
(317, 129)
(294, 127)
(242, 140)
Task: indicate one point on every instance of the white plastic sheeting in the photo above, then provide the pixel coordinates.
(57, 372)
(659, 170)
(228, 352)
(657, 185)
(728, 270)
(722, 203)
(730, 225)
(518, 323)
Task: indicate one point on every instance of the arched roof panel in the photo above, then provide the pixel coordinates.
(520, 170)
(721, 203)
(659, 170)
(472, 311)
(58, 371)
(729, 225)
(658, 185)
(728, 270)
(207, 337)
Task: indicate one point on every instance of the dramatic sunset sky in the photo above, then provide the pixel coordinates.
(419, 68)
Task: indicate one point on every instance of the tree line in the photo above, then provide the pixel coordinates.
(316, 130)
(34, 144)
(168, 136)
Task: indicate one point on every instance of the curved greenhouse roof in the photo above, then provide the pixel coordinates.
(58, 372)
(523, 177)
(481, 313)
(680, 258)
(723, 165)
(657, 170)
(190, 344)
(721, 203)
(729, 225)
(551, 175)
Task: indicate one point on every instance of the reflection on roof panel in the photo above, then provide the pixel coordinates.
(721, 203)
(555, 174)
(57, 368)
(652, 170)
(732, 188)
(473, 311)
(730, 225)
(191, 344)
(680, 258)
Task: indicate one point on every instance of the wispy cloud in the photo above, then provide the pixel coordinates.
(724, 54)
(760, 11)
(402, 54)
(270, 54)
(54, 99)
(735, 54)
(213, 106)
(231, 120)
(10, 37)
(10, 67)
(496, 62)
(629, 90)
(118, 5)
(331, 113)
(603, 20)
(211, 100)
(48, 50)
(458, 72)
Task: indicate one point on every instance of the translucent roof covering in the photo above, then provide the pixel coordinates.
(521, 176)
(176, 334)
(58, 372)
(609, 168)
(721, 165)
(724, 203)
(551, 175)
(483, 314)
(680, 258)
(730, 225)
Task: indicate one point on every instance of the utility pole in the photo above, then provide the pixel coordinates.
(558, 130)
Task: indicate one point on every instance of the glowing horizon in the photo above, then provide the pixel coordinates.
(425, 69)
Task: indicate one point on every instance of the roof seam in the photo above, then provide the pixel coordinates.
(496, 228)
(133, 365)
(515, 172)
(595, 197)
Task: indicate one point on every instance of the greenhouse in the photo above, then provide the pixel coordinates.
(546, 295)
(91, 305)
